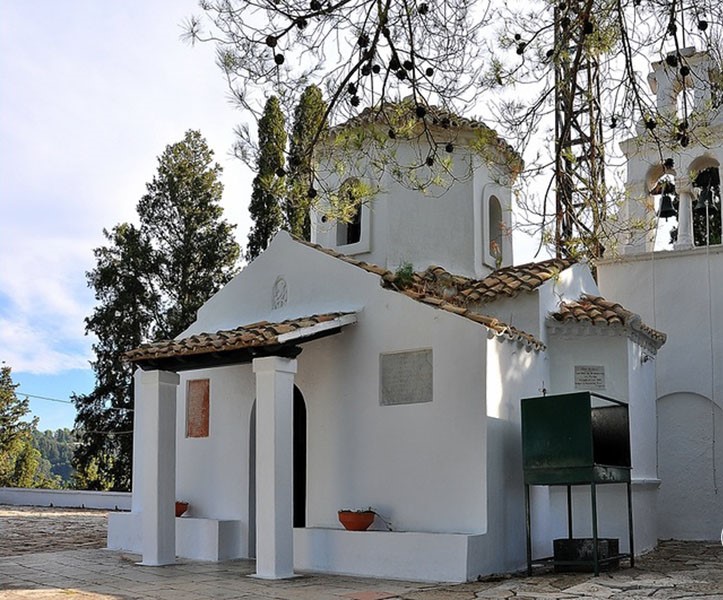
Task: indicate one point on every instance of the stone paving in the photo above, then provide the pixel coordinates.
(676, 570)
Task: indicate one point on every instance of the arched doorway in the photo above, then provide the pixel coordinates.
(299, 475)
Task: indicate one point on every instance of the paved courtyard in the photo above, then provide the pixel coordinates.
(33, 568)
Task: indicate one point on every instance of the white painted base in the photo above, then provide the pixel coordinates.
(197, 539)
(210, 539)
(386, 554)
(124, 532)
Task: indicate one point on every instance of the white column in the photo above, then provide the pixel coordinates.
(274, 467)
(685, 221)
(138, 437)
(156, 407)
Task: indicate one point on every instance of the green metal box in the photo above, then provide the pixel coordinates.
(575, 438)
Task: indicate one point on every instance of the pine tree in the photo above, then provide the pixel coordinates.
(268, 185)
(149, 282)
(127, 307)
(309, 116)
(19, 460)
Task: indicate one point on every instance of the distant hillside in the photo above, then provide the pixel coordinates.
(56, 447)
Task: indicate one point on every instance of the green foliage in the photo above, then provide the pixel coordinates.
(268, 186)
(552, 75)
(20, 462)
(56, 450)
(12, 411)
(404, 275)
(149, 281)
(309, 124)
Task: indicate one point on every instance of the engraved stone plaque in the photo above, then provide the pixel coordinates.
(406, 377)
(589, 377)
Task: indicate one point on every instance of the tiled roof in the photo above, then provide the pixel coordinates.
(439, 288)
(595, 310)
(511, 281)
(257, 335)
(495, 326)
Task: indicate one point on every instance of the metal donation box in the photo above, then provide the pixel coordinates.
(581, 438)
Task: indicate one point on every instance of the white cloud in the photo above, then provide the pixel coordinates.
(91, 95)
(43, 303)
(28, 349)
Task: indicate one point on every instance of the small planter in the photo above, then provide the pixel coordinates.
(181, 507)
(356, 520)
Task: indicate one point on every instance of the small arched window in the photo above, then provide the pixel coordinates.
(495, 229)
(350, 232)
(707, 223)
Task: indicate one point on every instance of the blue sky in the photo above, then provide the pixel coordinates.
(91, 92)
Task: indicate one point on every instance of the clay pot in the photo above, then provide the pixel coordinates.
(356, 520)
(181, 507)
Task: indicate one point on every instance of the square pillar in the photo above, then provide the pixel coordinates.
(274, 467)
(155, 406)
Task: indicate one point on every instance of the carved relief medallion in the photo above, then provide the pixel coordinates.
(279, 293)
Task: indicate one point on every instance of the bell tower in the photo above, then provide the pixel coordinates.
(676, 175)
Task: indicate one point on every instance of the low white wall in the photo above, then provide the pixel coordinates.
(210, 539)
(65, 498)
(124, 532)
(198, 539)
(390, 554)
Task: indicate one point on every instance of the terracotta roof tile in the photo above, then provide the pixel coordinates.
(511, 281)
(446, 291)
(597, 311)
(255, 335)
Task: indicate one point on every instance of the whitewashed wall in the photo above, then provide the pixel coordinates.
(680, 293)
(422, 466)
(444, 225)
(513, 374)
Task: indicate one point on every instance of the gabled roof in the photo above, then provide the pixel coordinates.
(238, 345)
(439, 288)
(507, 282)
(596, 311)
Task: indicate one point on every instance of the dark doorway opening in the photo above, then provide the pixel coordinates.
(299, 459)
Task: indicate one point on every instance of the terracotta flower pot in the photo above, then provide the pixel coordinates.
(181, 507)
(356, 520)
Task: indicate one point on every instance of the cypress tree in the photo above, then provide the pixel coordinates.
(269, 183)
(308, 123)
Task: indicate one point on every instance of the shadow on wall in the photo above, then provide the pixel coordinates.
(690, 467)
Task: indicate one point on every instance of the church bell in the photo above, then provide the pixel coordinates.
(666, 209)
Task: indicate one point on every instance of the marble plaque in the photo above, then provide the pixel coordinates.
(406, 377)
(589, 377)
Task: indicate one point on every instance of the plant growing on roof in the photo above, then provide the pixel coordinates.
(404, 275)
